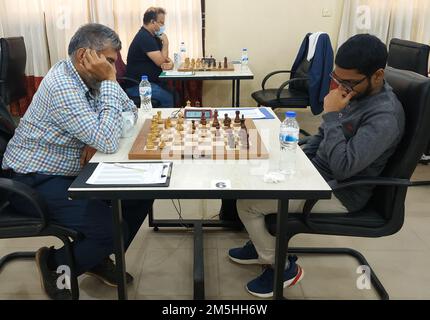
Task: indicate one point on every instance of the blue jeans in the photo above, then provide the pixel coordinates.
(92, 218)
(165, 97)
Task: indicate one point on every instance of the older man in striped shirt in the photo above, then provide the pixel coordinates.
(76, 111)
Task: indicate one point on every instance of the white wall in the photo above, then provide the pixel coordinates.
(272, 30)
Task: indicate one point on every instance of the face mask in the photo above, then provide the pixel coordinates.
(161, 31)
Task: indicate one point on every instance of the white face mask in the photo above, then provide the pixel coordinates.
(160, 32)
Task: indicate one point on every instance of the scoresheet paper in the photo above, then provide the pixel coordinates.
(130, 174)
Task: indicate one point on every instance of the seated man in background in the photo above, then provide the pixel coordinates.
(76, 111)
(362, 126)
(149, 55)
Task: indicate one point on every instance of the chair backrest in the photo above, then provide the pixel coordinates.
(12, 69)
(7, 129)
(120, 66)
(408, 55)
(413, 91)
(302, 70)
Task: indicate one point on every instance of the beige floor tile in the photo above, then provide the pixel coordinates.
(234, 277)
(30, 244)
(403, 273)
(169, 272)
(421, 227)
(331, 277)
(24, 297)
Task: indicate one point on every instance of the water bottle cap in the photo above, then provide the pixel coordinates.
(244, 49)
(291, 114)
(144, 78)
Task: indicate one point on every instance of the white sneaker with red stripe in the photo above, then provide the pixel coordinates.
(262, 287)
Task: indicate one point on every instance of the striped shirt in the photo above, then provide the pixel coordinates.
(62, 119)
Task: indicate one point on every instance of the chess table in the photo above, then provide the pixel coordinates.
(193, 179)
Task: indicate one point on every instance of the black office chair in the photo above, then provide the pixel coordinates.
(294, 93)
(126, 82)
(412, 56)
(384, 214)
(408, 55)
(15, 224)
(13, 59)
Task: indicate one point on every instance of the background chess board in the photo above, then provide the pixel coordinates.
(183, 68)
(203, 144)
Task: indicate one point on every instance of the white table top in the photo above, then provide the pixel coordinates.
(239, 72)
(192, 175)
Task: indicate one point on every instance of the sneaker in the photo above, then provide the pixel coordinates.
(48, 278)
(262, 287)
(246, 255)
(106, 273)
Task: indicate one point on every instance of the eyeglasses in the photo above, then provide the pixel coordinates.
(349, 85)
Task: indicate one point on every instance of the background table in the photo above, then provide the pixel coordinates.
(192, 179)
(240, 73)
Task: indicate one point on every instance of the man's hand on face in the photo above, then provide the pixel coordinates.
(337, 100)
(99, 68)
(87, 155)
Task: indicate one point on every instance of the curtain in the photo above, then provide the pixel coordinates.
(387, 19)
(48, 25)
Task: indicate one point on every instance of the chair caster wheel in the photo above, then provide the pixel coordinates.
(156, 229)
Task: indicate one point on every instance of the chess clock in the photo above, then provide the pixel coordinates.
(197, 113)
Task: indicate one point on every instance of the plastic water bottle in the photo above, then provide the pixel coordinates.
(145, 91)
(245, 58)
(289, 140)
(183, 51)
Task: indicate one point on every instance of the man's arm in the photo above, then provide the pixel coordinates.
(348, 158)
(311, 147)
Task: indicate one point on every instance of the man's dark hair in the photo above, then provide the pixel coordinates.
(152, 14)
(363, 52)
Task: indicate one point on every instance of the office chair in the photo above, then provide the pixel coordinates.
(15, 224)
(13, 59)
(408, 55)
(309, 80)
(126, 82)
(385, 212)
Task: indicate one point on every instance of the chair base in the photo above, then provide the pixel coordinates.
(350, 252)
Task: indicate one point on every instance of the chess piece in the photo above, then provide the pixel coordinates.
(214, 64)
(216, 121)
(167, 124)
(203, 120)
(187, 63)
(231, 140)
(198, 105)
(225, 63)
(188, 104)
(244, 138)
(193, 63)
(193, 125)
(162, 145)
(237, 120)
(160, 119)
(179, 127)
(227, 121)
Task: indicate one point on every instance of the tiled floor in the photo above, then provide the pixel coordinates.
(162, 262)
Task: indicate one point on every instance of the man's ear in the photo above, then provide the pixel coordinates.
(379, 76)
(80, 55)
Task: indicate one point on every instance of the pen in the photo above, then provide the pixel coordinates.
(130, 168)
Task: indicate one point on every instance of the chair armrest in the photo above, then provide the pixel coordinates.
(369, 181)
(29, 194)
(286, 83)
(128, 79)
(263, 84)
(362, 181)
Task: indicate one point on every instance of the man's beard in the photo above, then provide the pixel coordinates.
(365, 94)
(94, 85)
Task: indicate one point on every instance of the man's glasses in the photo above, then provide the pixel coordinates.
(349, 85)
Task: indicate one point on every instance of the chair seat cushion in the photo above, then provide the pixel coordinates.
(289, 98)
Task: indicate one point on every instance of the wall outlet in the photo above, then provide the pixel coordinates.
(326, 13)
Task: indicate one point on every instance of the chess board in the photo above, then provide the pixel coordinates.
(205, 142)
(187, 68)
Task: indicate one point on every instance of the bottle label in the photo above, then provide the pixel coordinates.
(145, 91)
(289, 136)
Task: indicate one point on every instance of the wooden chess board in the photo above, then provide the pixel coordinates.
(187, 68)
(205, 142)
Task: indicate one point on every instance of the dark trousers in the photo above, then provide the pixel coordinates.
(93, 219)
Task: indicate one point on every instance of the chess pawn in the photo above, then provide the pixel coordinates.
(188, 104)
(219, 65)
(203, 120)
(225, 63)
(198, 105)
(237, 120)
(193, 125)
(162, 145)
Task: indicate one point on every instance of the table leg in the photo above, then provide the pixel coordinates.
(238, 94)
(119, 249)
(233, 96)
(199, 273)
(281, 249)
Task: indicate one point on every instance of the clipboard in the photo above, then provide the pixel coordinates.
(165, 173)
